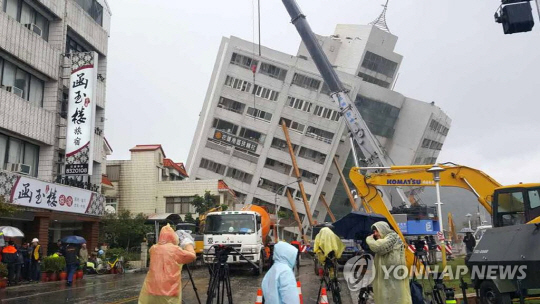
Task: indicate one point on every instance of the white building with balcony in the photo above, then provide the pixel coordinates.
(36, 37)
(239, 139)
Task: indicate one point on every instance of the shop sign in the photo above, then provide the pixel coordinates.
(35, 193)
(81, 109)
(235, 141)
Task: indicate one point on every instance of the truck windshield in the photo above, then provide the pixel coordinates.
(230, 224)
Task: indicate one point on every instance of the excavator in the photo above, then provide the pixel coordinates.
(515, 211)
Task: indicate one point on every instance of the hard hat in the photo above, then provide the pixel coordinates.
(35, 240)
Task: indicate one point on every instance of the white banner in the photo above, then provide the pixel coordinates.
(81, 109)
(35, 193)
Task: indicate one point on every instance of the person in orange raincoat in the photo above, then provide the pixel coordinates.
(163, 281)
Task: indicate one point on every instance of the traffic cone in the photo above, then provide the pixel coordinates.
(324, 297)
(259, 297)
(299, 285)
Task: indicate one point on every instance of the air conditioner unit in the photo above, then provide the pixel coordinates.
(18, 168)
(34, 28)
(15, 91)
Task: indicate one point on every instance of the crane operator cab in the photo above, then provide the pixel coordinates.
(516, 205)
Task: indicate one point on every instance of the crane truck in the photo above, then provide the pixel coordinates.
(513, 241)
(245, 230)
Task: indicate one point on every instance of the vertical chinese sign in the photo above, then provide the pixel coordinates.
(81, 109)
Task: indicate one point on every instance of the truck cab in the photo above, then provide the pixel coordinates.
(240, 230)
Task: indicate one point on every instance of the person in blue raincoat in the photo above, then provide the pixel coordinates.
(279, 283)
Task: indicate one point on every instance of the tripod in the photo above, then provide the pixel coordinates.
(220, 281)
(420, 257)
(193, 283)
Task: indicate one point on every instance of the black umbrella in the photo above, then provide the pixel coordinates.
(356, 225)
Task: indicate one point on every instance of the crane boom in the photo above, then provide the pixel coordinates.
(370, 146)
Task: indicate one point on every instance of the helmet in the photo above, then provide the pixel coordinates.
(101, 252)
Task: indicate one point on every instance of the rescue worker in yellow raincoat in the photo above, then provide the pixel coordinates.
(389, 252)
(163, 281)
(328, 245)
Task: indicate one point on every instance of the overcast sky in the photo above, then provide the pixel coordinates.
(161, 55)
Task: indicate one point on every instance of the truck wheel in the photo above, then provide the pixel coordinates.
(489, 294)
(260, 264)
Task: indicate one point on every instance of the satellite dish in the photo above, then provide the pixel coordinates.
(110, 209)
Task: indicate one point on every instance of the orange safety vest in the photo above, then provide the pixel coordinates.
(9, 249)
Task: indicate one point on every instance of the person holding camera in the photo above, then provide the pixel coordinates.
(163, 281)
(389, 252)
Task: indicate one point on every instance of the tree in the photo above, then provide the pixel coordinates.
(124, 228)
(6, 209)
(204, 203)
(188, 218)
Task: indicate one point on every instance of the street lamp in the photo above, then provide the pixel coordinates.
(276, 207)
(436, 171)
(469, 217)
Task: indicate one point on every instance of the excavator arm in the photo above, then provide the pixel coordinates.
(476, 181)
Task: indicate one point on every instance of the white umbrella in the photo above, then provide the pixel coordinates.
(465, 230)
(11, 231)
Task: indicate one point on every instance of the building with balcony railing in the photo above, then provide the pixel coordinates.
(250, 95)
(37, 40)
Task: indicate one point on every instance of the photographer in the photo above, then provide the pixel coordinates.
(389, 251)
(163, 281)
(419, 245)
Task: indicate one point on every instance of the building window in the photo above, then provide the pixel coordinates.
(313, 155)
(437, 127)
(281, 144)
(293, 125)
(231, 105)
(379, 64)
(21, 83)
(243, 61)
(376, 81)
(277, 166)
(28, 16)
(73, 46)
(309, 176)
(380, 117)
(319, 134)
(252, 135)
(112, 201)
(271, 186)
(298, 195)
(239, 175)
(212, 166)
(15, 152)
(272, 71)
(238, 84)
(271, 208)
(259, 114)
(178, 205)
(92, 8)
(265, 93)
(326, 113)
(225, 126)
(299, 104)
(306, 82)
(425, 143)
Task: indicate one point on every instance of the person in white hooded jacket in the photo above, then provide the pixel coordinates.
(279, 283)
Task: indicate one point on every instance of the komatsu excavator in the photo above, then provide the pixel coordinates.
(514, 239)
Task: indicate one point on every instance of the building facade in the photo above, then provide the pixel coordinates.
(238, 136)
(36, 40)
(151, 183)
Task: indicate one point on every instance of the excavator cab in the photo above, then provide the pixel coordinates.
(516, 205)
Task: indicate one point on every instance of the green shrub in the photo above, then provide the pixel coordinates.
(115, 252)
(3, 270)
(54, 264)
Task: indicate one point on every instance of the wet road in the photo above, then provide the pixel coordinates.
(116, 289)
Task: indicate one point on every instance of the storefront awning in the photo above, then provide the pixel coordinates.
(164, 218)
